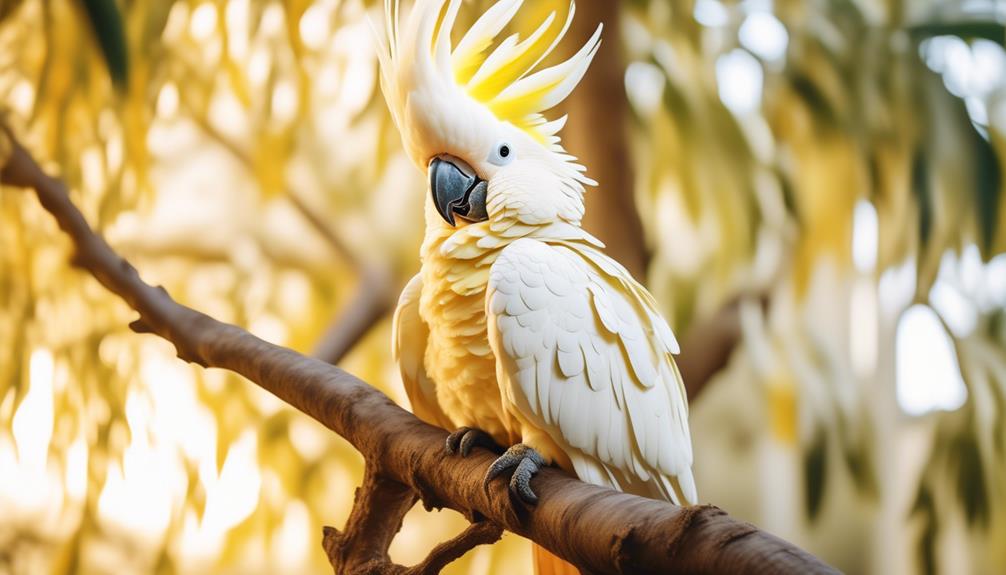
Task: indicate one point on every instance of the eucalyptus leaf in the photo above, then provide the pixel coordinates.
(988, 192)
(859, 460)
(923, 196)
(924, 508)
(815, 474)
(927, 545)
(106, 22)
(972, 490)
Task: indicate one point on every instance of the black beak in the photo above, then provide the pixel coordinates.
(455, 191)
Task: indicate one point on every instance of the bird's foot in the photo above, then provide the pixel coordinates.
(526, 462)
(465, 438)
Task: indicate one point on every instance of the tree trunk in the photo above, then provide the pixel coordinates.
(597, 134)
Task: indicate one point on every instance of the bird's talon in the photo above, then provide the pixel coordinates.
(465, 438)
(469, 441)
(526, 462)
(497, 467)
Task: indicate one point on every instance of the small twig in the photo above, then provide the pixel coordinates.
(372, 300)
(299, 203)
(479, 533)
(707, 347)
(323, 229)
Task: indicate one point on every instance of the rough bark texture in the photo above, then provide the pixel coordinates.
(599, 530)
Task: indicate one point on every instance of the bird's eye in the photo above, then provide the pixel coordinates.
(501, 155)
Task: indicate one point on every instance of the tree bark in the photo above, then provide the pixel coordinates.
(596, 529)
(597, 134)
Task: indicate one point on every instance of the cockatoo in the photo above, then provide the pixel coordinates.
(518, 330)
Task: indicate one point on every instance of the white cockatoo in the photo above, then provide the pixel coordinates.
(518, 328)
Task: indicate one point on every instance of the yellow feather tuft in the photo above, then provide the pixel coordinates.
(506, 80)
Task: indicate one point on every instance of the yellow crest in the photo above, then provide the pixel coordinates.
(508, 81)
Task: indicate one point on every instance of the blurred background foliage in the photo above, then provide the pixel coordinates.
(829, 170)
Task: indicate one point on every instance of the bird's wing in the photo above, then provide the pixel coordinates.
(583, 354)
(409, 334)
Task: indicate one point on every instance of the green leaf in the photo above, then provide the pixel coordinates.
(106, 21)
(816, 99)
(815, 474)
(927, 545)
(923, 501)
(859, 460)
(997, 385)
(923, 195)
(988, 183)
(925, 507)
(997, 326)
(971, 488)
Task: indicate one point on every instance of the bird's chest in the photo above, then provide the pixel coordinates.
(458, 356)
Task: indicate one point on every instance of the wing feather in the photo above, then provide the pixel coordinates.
(409, 334)
(585, 356)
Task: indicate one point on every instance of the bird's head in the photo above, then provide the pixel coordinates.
(473, 118)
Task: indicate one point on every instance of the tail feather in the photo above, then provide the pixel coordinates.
(547, 564)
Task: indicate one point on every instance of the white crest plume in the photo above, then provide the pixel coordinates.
(433, 87)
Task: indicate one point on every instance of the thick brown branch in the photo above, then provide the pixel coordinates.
(597, 529)
(378, 511)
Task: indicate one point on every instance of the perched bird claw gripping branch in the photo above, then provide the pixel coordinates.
(525, 462)
(464, 439)
(518, 328)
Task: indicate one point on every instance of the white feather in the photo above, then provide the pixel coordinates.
(603, 388)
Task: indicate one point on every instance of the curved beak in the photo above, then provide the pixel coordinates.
(456, 191)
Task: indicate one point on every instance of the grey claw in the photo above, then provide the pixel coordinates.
(525, 462)
(470, 440)
(451, 445)
(499, 466)
(465, 438)
(520, 482)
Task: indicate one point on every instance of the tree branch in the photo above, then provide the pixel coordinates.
(707, 346)
(372, 300)
(597, 529)
(478, 533)
(378, 511)
(319, 225)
